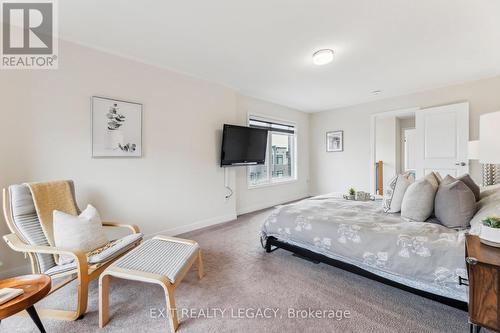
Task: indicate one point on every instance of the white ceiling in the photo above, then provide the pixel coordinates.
(263, 48)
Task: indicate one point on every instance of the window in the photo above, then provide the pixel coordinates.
(281, 154)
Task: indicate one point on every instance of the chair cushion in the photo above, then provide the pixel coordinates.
(26, 220)
(120, 246)
(84, 232)
(58, 269)
(455, 203)
(418, 202)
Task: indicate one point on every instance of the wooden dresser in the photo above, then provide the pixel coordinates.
(483, 268)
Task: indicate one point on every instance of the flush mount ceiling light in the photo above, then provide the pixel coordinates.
(376, 92)
(322, 57)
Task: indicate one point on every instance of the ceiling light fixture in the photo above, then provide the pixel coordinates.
(322, 57)
(377, 92)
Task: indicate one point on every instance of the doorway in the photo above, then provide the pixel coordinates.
(393, 146)
(418, 141)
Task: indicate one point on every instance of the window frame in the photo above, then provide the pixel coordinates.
(294, 155)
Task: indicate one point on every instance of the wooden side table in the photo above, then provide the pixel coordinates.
(35, 288)
(483, 268)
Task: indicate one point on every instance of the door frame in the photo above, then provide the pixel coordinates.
(403, 143)
(373, 154)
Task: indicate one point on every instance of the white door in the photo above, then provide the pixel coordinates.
(442, 138)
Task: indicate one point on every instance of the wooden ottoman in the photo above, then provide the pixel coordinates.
(162, 260)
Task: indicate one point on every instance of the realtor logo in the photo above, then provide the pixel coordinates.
(29, 39)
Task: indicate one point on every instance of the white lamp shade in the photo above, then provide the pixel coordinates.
(473, 150)
(489, 145)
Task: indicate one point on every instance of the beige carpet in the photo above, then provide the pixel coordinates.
(240, 275)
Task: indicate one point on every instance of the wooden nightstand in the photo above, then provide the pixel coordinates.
(483, 268)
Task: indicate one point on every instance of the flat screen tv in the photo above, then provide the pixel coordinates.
(243, 145)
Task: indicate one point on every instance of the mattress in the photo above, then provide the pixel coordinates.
(422, 255)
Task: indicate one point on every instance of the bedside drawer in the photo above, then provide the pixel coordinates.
(483, 291)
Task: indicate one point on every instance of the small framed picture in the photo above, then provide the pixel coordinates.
(116, 128)
(335, 141)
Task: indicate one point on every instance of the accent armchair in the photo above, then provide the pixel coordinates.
(27, 237)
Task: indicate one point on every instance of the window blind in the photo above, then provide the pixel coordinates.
(271, 125)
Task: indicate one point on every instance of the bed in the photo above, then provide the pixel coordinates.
(422, 257)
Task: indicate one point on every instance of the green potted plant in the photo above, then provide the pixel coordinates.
(490, 231)
(352, 194)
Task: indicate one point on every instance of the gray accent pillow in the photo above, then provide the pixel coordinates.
(418, 201)
(438, 177)
(467, 180)
(448, 180)
(455, 203)
(393, 196)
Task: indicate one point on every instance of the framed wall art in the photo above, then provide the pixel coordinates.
(335, 141)
(116, 128)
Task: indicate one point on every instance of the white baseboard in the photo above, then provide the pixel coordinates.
(265, 205)
(15, 271)
(193, 226)
(26, 269)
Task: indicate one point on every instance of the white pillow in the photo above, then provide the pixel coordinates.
(393, 196)
(84, 232)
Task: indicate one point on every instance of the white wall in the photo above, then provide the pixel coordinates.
(248, 200)
(386, 146)
(334, 172)
(177, 185)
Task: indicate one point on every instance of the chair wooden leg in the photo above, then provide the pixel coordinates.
(169, 295)
(201, 270)
(104, 300)
(81, 307)
(83, 295)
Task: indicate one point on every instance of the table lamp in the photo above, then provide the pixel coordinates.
(489, 147)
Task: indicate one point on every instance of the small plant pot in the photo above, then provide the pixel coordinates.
(490, 236)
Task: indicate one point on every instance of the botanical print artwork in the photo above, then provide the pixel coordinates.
(115, 121)
(116, 128)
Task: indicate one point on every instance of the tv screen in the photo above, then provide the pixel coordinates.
(243, 145)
